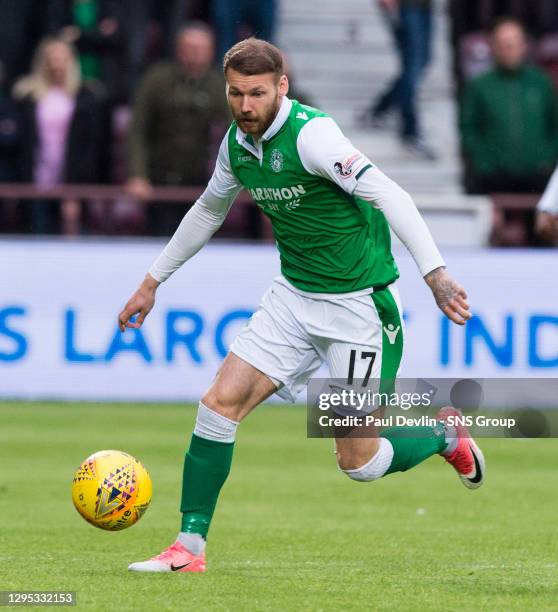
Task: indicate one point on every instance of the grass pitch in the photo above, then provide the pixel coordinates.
(290, 532)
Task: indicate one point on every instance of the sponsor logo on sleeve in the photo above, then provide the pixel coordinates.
(347, 167)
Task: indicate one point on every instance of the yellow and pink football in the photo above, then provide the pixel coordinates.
(111, 490)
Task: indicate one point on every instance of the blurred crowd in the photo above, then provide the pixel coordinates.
(506, 65)
(506, 75)
(130, 92)
(114, 91)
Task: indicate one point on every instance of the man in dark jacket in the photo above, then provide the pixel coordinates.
(509, 120)
(177, 105)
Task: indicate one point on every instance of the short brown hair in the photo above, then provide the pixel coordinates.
(254, 56)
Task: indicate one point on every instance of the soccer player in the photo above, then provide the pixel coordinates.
(330, 208)
(546, 219)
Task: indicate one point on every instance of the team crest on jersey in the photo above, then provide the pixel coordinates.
(276, 161)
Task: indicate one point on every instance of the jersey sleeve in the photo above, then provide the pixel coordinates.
(202, 220)
(325, 151)
(223, 185)
(549, 201)
(402, 216)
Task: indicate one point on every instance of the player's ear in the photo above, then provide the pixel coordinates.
(283, 85)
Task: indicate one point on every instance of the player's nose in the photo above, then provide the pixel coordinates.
(246, 105)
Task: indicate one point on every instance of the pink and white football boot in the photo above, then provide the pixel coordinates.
(467, 458)
(175, 558)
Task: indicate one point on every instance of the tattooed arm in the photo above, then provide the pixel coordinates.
(449, 295)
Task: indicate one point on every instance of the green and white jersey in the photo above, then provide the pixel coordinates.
(329, 240)
(328, 204)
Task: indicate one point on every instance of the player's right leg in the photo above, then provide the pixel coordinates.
(272, 353)
(237, 389)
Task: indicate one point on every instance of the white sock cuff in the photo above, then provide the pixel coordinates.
(451, 440)
(214, 426)
(377, 466)
(194, 542)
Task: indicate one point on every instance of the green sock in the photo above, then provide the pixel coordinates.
(412, 445)
(206, 467)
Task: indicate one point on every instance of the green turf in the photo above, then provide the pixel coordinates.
(290, 533)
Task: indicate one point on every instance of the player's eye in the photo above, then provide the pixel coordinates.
(258, 94)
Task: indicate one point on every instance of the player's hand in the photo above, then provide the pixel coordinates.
(546, 226)
(449, 295)
(139, 304)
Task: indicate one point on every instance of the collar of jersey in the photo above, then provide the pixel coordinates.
(256, 148)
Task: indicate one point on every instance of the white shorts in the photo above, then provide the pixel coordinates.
(291, 335)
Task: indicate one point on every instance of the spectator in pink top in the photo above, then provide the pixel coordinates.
(62, 132)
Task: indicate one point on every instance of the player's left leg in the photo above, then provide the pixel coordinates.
(399, 449)
(396, 449)
(366, 454)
